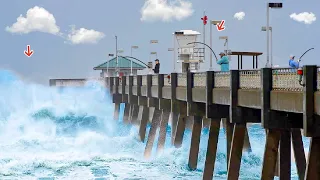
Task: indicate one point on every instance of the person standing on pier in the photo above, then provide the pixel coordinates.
(223, 62)
(292, 63)
(156, 69)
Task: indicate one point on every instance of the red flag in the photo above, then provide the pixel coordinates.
(204, 20)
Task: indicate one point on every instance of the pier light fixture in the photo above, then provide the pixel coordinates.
(153, 53)
(153, 41)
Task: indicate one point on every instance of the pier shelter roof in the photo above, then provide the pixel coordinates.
(253, 54)
(124, 63)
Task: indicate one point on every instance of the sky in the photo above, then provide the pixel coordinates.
(70, 37)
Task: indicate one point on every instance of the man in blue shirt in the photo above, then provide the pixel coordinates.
(293, 63)
(223, 62)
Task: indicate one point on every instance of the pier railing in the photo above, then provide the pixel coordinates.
(249, 79)
(283, 79)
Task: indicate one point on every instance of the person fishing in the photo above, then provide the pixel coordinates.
(223, 62)
(156, 69)
(292, 63)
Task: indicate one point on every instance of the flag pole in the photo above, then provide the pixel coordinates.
(204, 37)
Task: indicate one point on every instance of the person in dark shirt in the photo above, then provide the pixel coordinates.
(156, 69)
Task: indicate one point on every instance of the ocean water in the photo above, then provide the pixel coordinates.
(48, 133)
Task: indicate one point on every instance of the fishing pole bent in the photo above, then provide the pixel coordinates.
(305, 53)
(207, 46)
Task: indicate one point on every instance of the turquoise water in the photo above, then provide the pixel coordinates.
(49, 133)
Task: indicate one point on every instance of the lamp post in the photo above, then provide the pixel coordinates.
(132, 47)
(270, 29)
(274, 6)
(110, 55)
(117, 69)
(119, 51)
(212, 22)
(153, 41)
(174, 62)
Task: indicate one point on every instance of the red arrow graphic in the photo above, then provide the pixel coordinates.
(28, 52)
(220, 26)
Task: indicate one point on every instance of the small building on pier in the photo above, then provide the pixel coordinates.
(110, 67)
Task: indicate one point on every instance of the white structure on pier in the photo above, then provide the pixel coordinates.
(189, 54)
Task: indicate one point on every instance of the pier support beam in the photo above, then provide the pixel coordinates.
(195, 142)
(134, 112)
(143, 119)
(285, 155)
(174, 118)
(126, 113)
(298, 152)
(313, 165)
(152, 133)
(235, 155)
(181, 126)
(116, 111)
(163, 130)
(228, 127)
(211, 149)
(270, 154)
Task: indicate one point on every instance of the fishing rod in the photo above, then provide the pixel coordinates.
(304, 54)
(300, 71)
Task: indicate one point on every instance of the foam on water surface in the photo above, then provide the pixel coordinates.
(49, 133)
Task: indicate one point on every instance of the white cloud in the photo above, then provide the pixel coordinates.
(239, 15)
(305, 17)
(84, 36)
(163, 10)
(37, 19)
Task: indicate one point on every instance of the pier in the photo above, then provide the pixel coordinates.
(274, 98)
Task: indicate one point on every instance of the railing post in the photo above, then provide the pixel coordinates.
(266, 88)
(160, 85)
(123, 88)
(190, 76)
(189, 86)
(310, 81)
(116, 80)
(174, 84)
(235, 111)
(139, 84)
(209, 87)
(149, 84)
(111, 84)
(130, 89)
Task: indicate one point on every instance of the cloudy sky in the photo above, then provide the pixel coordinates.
(70, 37)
